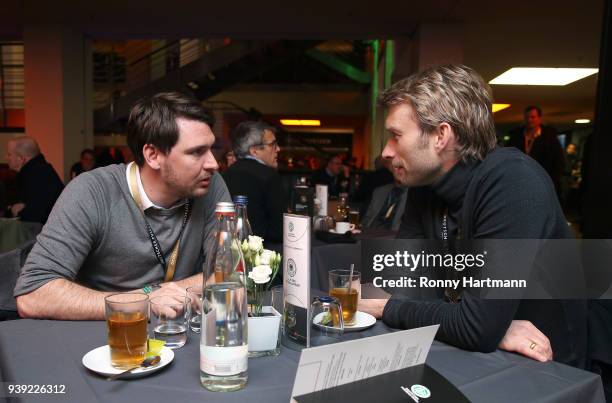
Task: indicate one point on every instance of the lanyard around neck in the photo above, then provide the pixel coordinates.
(159, 254)
(450, 294)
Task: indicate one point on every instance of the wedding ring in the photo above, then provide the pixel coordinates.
(532, 345)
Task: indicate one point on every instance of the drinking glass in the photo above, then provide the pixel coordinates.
(127, 315)
(170, 315)
(326, 320)
(278, 299)
(195, 319)
(339, 281)
(353, 217)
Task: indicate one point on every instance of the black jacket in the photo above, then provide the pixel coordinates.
(39, 186)
(267, 197)
(506, 196)
(546, 150)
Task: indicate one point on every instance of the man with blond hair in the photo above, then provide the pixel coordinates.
(38, 184)
(462, 186)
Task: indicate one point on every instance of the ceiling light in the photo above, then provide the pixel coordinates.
(541, 76)
(300, 122)
(499, 107)
(582, 121)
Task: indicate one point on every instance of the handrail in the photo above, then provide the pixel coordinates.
(150, 55)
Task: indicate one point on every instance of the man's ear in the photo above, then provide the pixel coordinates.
(445, 138)
(152, 156)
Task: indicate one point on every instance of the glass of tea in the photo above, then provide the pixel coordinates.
(347, 290)
(127, 315)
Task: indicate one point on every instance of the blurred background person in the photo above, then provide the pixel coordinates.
(331, 176)
(373, 179)
(255, 175)
(38, 185)
(227, 160)
(86, 163)
(386, 207)
(540, 143)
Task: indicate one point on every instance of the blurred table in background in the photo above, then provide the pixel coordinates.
(14, 233)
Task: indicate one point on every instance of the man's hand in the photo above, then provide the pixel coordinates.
(374, 307)
(16, 209)
(171, 289)
(524, 338)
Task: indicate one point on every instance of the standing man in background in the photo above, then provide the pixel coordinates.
(540, 143)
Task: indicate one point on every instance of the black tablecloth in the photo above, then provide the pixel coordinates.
(50, 352)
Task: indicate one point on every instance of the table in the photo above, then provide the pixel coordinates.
(325, 257)
(50, 352)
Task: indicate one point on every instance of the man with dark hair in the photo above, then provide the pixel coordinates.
(540, 143)
(135, 227)
(255, 175)
(86, 163)
(443, 145)
(331, 176)
(38, 184)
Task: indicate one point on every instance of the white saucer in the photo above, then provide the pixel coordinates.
(98, 360)
(362, 321)
(354, 231)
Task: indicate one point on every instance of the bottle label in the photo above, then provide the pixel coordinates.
(223, 361)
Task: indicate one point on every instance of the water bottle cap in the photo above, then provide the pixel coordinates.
(327, 299)
(225, 207)
(241, 199)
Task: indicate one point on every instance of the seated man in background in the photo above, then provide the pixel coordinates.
(386, 207)
(38, 185)
(443, 145)
(255, 175)
(331, 176)
(130, 227)
(373, 179)
(86, 163)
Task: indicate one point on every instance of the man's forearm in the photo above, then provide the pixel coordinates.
(64, 300)
(195, 280)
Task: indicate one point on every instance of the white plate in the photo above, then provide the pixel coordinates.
(98, 360)
(362, 321)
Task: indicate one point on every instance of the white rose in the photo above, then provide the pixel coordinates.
(260, 274)
(266, 257)
(255, 243)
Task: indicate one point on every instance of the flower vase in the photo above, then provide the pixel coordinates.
(264, 333)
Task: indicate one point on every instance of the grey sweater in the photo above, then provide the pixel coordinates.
(96, 236)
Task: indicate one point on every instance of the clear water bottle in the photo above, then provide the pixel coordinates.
(243, 226)
(223, 345)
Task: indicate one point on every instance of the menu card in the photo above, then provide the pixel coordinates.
(339, 364)
(296, 280)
